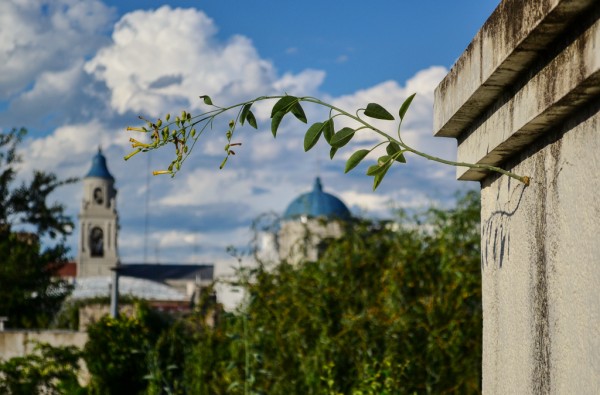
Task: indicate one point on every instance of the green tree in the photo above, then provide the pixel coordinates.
(126, 354)
(389, 308)
(49, 370)
(166, 361)
(29, 294)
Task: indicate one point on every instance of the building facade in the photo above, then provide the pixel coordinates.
(98, 221)
(525, 96)
(308, 220)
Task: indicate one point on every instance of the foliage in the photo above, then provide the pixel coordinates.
(29, 295)
(166, 361)
(116, 352)
(184, 131)
(50, 370)
(388, 308)
(215, 361)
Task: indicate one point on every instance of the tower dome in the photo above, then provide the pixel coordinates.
(317, 204)
(99, 168)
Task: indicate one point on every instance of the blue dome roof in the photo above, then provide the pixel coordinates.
(317, 204)
(99, 168)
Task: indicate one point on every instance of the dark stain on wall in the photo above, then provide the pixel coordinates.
(495, 231)
(541, 383)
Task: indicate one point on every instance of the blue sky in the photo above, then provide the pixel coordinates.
(358, 43)
(77, 73)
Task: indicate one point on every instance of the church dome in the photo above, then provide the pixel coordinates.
(99, 168)
(317, 204)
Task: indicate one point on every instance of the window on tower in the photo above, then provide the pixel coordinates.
(98, 196)
(97, 242)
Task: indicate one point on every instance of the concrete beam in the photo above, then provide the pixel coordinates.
(525, 96)
(569, 80)
(508, 43)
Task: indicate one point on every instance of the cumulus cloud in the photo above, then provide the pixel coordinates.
(159, 61)
(295, 170)
(40, 36)
(390, 94)
(67, 147)
(163, 59)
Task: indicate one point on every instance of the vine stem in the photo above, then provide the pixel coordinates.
(524, 179)
(209, 116)
(246, 356)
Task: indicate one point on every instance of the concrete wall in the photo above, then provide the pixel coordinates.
(525, 96)
(299, 240)
(21, 343)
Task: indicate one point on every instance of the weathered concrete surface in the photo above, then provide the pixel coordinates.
(17, 343)
(559, 88)
(526, 96)
(299, 240)
(541, 267)
(20, 343)
(516, 34)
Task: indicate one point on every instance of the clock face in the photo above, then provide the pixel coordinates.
(98, 196)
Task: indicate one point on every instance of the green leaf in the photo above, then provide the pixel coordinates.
(276, 121)
(332, 152)
(251, 119)
(374, 169)
(312, 135)
(244, 112)
(392, 149)
(405, 105)
(328, 130)
(374, 110)
(379, 176)
(284, 104)
(383, 162)
(342, 137)
(355, 159)
(299, 112)
(207, 100)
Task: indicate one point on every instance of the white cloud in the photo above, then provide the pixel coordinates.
(367, 202)
(162, 60)
(417, 127)
(47, 36)
(304, 83)
(342, 59)
(233, 186)
(67, 147)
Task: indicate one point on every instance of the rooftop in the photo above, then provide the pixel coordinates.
(99, 168)
(317, 204)
(92, 287)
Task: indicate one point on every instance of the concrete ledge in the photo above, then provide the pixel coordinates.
(564, 84)
(507, 44)
(17, 343)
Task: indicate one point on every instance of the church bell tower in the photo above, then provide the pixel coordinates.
(98, 222)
